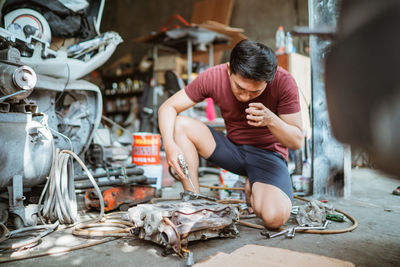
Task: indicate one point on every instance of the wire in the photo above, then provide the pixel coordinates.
(116, 124)
(66, 84)
(49, 228)
(10, 95)
(60, 199)
(62, 135)
(59, 191)
(336, 231)
(47, 253)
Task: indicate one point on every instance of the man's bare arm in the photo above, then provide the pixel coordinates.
(166, 121)
(286, 128)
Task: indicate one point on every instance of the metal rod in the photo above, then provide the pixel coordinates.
(11, 95)
(189, 60)
(154, 89)
(114, 123)
(210, 55)
(133, 171)
(136, 179)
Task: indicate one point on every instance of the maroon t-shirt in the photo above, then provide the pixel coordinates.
(281, 96)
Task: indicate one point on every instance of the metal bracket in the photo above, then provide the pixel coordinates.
(16, 201)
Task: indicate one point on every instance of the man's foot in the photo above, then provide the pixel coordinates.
(246, 209)
(396, 191)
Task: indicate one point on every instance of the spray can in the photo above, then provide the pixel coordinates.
(280, 41)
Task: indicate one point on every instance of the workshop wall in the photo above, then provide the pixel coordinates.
(259, 19)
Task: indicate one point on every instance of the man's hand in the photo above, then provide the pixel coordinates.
(286, 128)
(258, 115)
(172, 151)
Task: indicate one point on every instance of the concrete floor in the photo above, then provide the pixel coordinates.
(376, 241)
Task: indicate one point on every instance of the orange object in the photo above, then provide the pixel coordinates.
(146, 149)
(114, 197)
(168, 25)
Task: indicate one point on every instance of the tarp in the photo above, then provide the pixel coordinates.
(63, 21)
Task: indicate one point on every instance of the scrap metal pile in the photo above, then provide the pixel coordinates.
(173, 224)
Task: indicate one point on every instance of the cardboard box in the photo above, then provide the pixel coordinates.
(299, 67)
(153, 171)
(164, 63)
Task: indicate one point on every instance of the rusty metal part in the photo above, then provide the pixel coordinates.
(117, 197)
(119, 181)
(174, 223)
(189, 195)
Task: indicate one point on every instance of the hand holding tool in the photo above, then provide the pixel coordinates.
(185, 169)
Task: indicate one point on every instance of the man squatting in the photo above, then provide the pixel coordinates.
(259, 103)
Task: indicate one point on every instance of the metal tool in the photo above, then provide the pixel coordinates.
(189, 195)
(290, 232)
(268, 235)
(185, 169)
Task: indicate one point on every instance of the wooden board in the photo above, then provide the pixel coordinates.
(255, 255)
(219, 11)
(216, 10)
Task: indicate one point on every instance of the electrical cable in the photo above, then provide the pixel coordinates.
(109, 220)
(30, 241)
(64, 136)
(61, 251)
(335, 231)
(66, 84)
(59, 191)
(60, 199)
(115, 124)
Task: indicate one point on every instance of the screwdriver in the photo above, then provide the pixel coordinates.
(185, 169)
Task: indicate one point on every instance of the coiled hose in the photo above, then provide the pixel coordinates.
(59, 192)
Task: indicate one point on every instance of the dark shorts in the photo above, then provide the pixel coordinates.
(259, 165)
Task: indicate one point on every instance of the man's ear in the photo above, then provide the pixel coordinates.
(229, 68)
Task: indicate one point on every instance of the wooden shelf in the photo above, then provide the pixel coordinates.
(124, 95)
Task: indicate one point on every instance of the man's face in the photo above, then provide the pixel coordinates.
(245, 89)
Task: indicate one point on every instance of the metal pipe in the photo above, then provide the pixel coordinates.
(129, 172)
(189, 60)
(136, 179)
(11, 95)
(210, 55)
(328, 155)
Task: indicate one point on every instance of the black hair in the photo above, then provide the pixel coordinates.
(254, 61)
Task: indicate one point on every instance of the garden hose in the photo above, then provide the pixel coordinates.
(111, 220)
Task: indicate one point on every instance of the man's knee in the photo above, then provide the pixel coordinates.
(274, 219)
(270, 204)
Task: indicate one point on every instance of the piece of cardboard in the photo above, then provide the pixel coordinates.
(169, 62)
(300, 68)
(219, 11)
(256, 255)
(216, 10)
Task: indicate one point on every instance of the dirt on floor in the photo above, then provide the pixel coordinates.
(375, 242)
